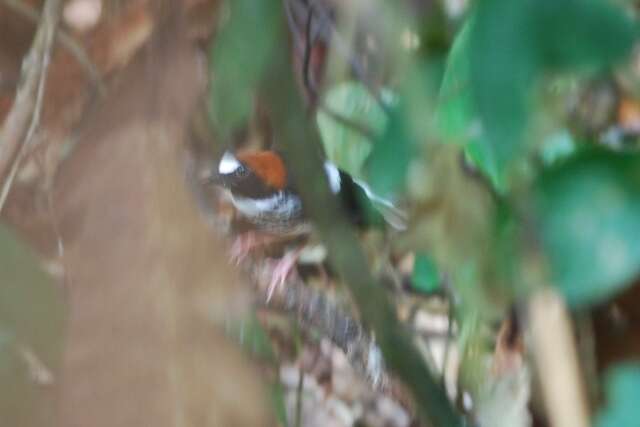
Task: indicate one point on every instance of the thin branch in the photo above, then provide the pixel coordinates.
(298, 420)
(307, 55)
(66, 40)
(23, 119)
(329, 34)
(356, 65)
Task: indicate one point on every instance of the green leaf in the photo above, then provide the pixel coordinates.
(457, 119)
(589, 217)
(622, 385)
(254, 340)
(572, 34)
(387, 165)
(455, 113)
(238, 58)
(278, 402)
(344, 145)
(478, 155)
(503, 65)
(425, 277)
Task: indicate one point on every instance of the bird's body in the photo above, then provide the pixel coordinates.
(280, 213)
(259, 188)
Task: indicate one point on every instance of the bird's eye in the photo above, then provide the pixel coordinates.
(241, 171)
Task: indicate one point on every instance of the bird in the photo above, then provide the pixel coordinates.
(259, 187)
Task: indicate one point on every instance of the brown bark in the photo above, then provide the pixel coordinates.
(144, 277)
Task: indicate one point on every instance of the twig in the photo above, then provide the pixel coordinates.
(307, 55)
(66, 40)
(23, 119)
(556, 359)
(298, 420)
(332, 37)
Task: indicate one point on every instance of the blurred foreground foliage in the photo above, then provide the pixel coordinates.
(31, 330)
(622, 387)
(476, 131)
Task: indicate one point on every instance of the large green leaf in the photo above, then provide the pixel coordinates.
(502, 65)
(568, 34)
(457, 119)
(589, 218)
(622, 391)
(238, 58)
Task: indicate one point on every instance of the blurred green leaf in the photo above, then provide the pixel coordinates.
(589, 216)
(18, 394)
(31, 327)
(478, 155)
(425, 277)
(31, 307)
(497, 57)
(254, 340)
(455, 113)
(387, 165)
(242, 48)
(503, 64)
(622, 385)
(570, 34)
(348, 143)
(278, 402)
(457, 118)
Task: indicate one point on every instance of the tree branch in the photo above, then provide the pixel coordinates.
(23, 119)
(299, 141)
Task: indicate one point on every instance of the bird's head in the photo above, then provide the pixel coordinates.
(250, 172)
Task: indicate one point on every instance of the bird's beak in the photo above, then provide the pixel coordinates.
(210, 177)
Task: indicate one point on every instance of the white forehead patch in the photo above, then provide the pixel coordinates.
(334, 176)
(228, 163)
